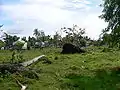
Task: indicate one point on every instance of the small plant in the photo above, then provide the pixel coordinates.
(13, 57)
(16, 57)
(45, 60)
(30, 74)
(106, 50)
(20, 58)
(6, 74)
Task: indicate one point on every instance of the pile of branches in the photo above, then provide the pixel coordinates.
(11, 68)
(18, 68)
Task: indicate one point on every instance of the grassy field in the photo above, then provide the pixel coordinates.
(93, 70)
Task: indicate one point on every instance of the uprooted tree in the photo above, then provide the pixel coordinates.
(74, 36)
(71, 49)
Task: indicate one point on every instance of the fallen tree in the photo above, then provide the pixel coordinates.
(20, 68)
(25, 64)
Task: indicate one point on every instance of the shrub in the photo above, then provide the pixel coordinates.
(18, 45)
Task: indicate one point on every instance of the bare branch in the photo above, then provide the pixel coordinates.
(23, 87)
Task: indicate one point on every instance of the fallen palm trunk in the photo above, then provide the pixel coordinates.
(12, 68)
(20, 68)
(27, 63)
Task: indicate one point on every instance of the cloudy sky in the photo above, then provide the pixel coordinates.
(23, 16)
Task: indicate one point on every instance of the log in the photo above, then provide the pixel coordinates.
(14, 68)
(27, 63)
(20, 67)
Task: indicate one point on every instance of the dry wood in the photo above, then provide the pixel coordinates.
(23, 87)
(27, 63)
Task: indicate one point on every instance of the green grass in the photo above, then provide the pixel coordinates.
(94, 70)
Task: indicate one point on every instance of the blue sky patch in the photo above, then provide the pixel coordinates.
(4, 2)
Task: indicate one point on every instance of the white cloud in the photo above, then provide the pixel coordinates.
(50, 15)
(82, 1)
(94, 25)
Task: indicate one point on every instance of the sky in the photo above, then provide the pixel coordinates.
(21, 17)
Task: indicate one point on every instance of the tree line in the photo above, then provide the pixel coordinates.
(73, 35)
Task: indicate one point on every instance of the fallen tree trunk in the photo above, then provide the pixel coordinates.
(20, 67)
(32, 61)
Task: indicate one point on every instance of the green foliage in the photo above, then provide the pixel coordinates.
(106, 49)
(57, 39)
(45, 60)
(42, 35)
(112, 39)
(24, 39)
(18, 45)
(111, 14)
(36, 33)
(2, 44)
(94, 69)
(107, 40)
(30, 74)
(13, 57)
(17, 57)
(31, 41)
(9, 40)
(39, 34)
(74, 36)
(101, 80)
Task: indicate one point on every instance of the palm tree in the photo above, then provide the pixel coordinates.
(36, 33)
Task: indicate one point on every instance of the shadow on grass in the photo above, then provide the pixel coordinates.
(102, 80)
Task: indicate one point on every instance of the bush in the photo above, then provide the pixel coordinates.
(18, 45)
(2, 44)
(30, 74)
(107, 50)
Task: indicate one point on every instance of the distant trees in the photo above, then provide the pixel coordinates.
(24, 39)
(31, 41)
(57, 39)
(9, 40)
(74, 35)
(18, 45)
(40, 35)
(36, 33)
